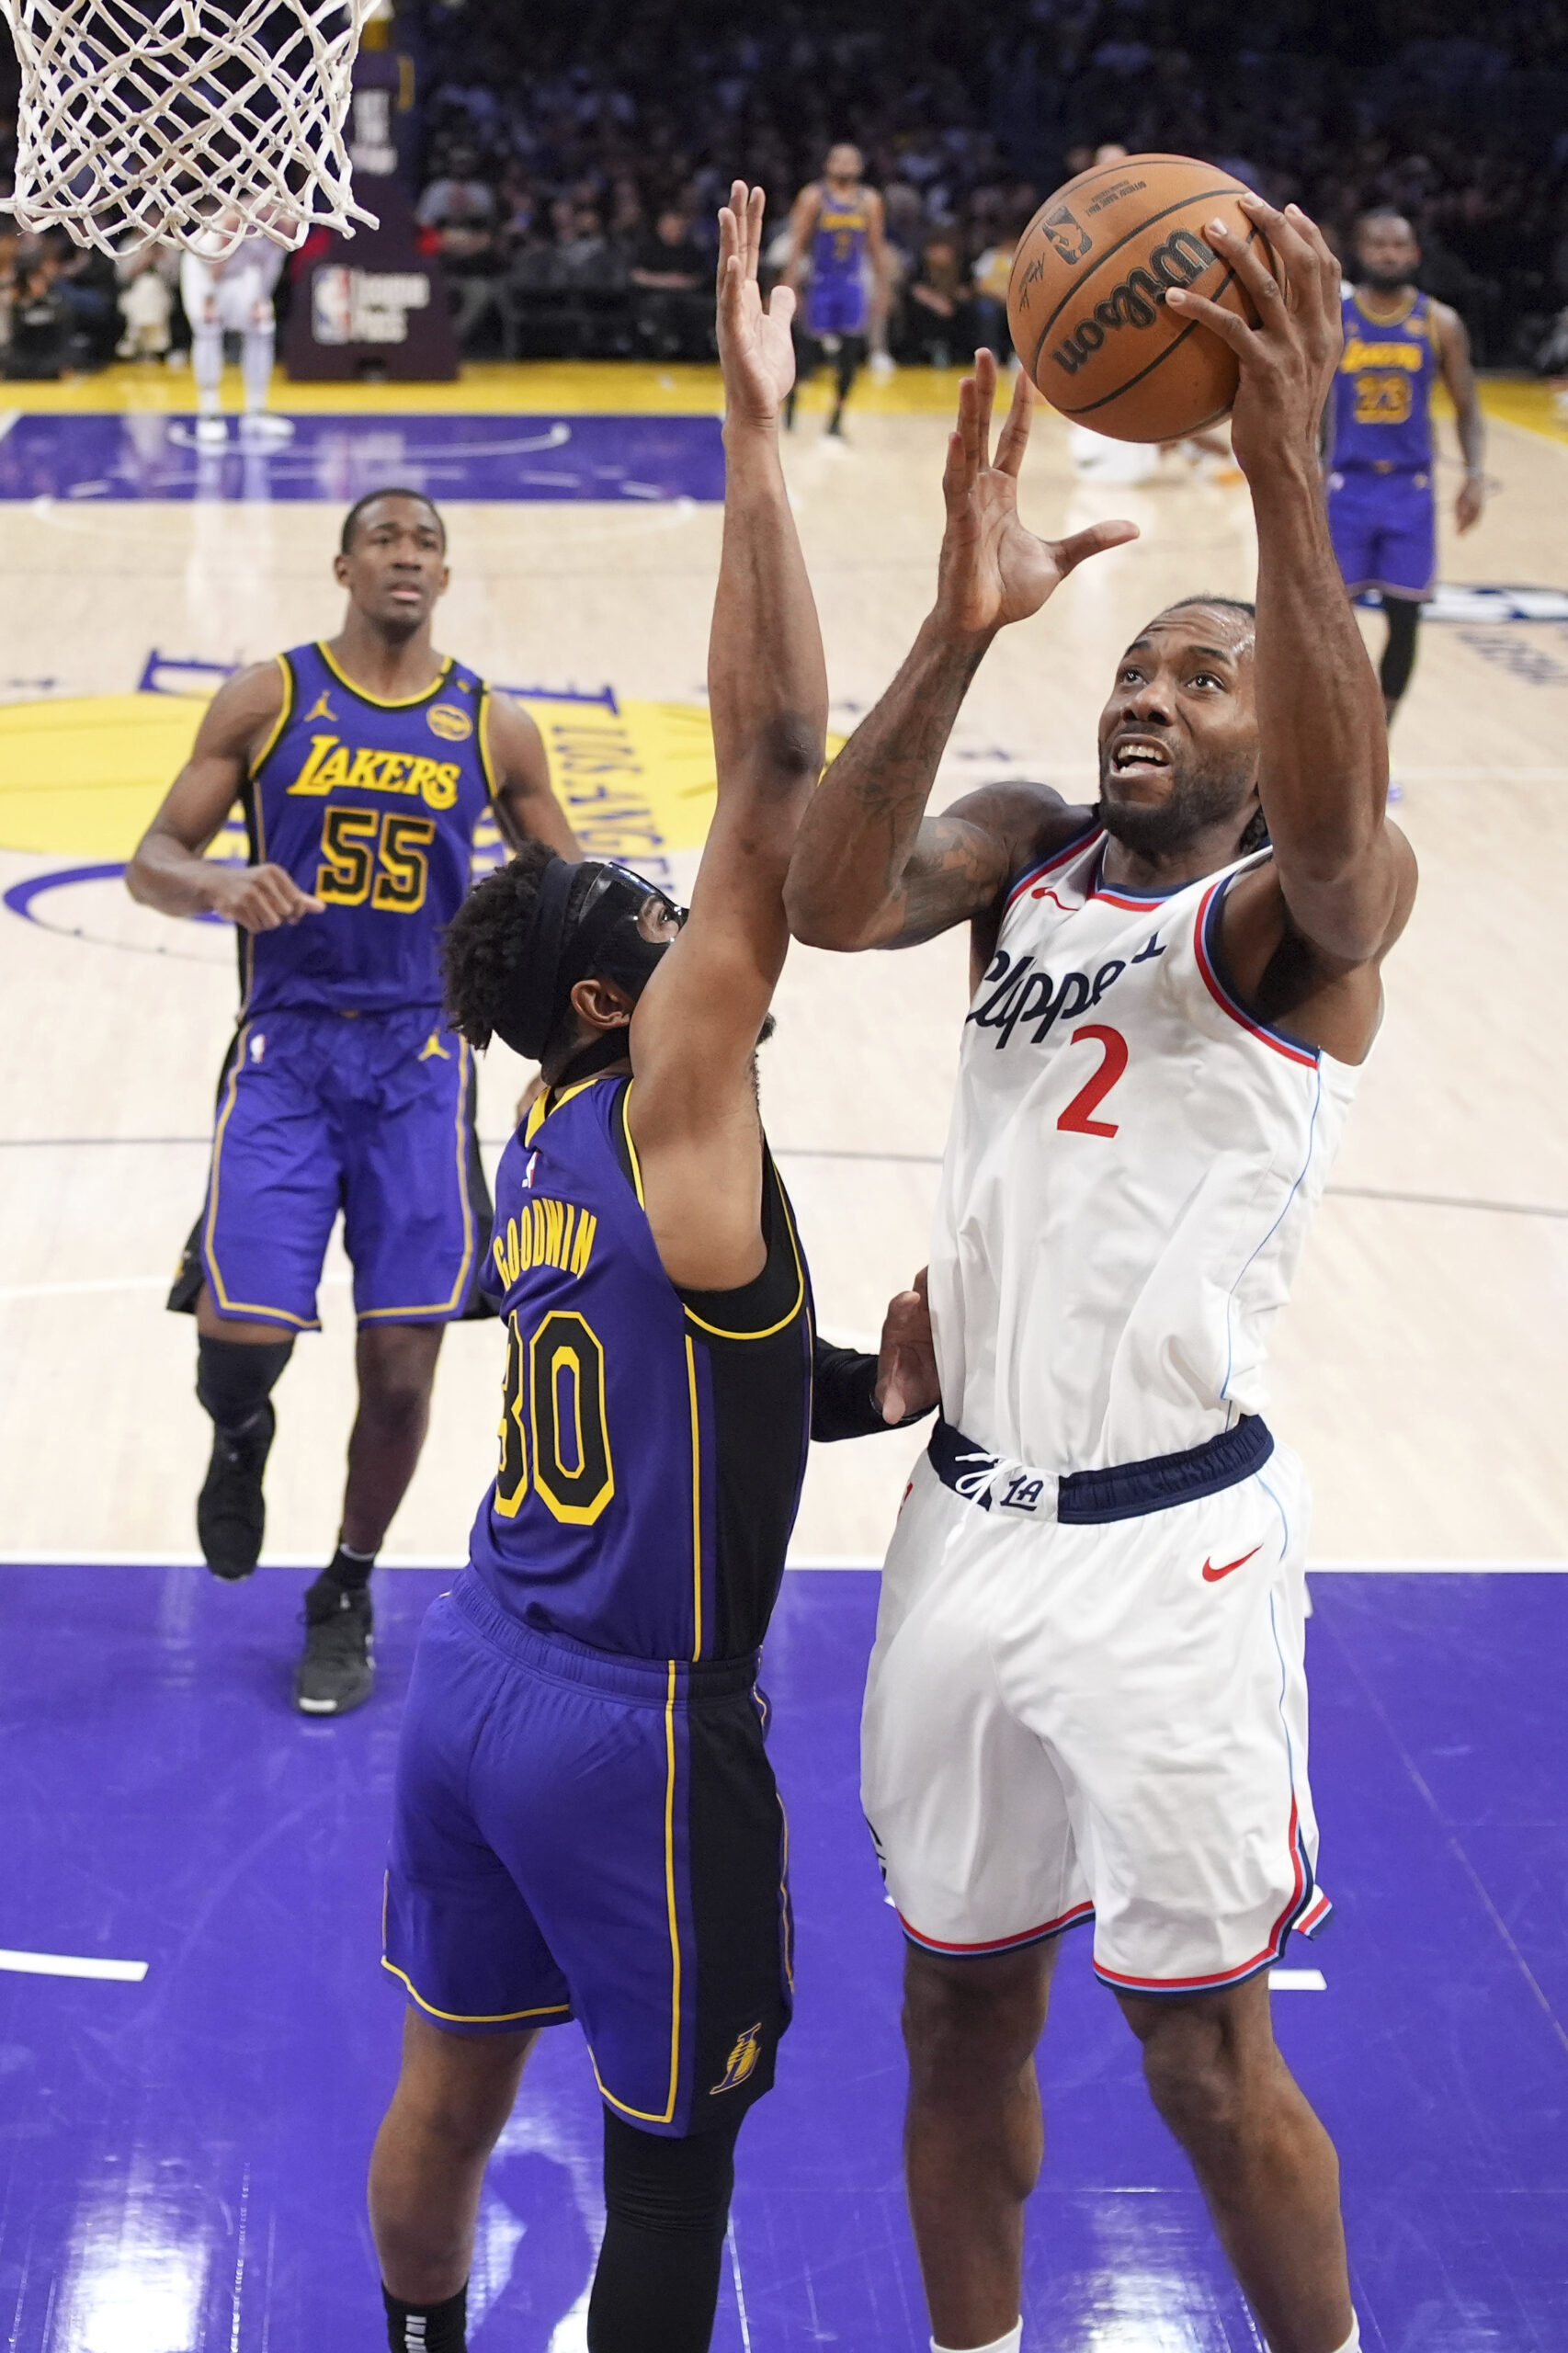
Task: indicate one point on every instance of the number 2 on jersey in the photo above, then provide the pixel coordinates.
(1079, 1118)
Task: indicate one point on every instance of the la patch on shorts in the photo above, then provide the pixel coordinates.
(371, 1114)
(1385, 531)
(582, 1836)
(1109, 1721)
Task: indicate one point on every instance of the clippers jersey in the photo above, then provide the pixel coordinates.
(1382, 393)
(1131, 1168)
(370, 806)
(653, 1440)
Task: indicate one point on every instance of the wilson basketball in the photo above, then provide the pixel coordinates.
(1086, 298)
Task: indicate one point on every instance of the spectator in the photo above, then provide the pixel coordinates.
(938, 316)
(146, 305)
(674, 305)
(37, 349)
(460, 208)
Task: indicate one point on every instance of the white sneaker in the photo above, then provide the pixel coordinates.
(882, 365)
(212, 433)
(261, 424)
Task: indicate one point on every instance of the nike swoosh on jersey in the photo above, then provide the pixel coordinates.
(1212, 1574)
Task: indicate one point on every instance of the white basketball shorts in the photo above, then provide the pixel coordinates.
(1107, 1721)
(238, 302)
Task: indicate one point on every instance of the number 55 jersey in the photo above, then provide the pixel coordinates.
(343, 1090)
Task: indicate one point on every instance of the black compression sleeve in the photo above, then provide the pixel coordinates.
(666, 2209)
(1404, 616)
(842, 1402)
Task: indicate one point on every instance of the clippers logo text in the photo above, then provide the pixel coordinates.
(1017, 996)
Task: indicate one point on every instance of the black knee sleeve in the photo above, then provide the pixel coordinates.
(1403, 617)
(666, 2209)
(235, 1378)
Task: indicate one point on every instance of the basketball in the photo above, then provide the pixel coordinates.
(1087, 298)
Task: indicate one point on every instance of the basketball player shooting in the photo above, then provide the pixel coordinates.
(363, 765)
(1087, 1694)
(1381, 496)
(835, 233)
(586, 1824)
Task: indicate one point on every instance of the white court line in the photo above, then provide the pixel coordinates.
(68, 1964)
(1297, 1981)
(8, 417)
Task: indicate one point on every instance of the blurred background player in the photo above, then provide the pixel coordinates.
(836, 242)
(233, 297)
(1382, 500)
(363, 765)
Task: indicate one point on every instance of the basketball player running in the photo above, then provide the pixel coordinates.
(1382, 502)
(586, 1824)
(363, 765)
(235, 297)
(1087, 1689)
(835, 230)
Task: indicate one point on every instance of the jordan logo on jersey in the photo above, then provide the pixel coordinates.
(321, 708)
(742, 2061)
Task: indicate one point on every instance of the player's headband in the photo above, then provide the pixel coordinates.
(562, 946)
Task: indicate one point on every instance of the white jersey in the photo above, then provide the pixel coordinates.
(1131, 1169)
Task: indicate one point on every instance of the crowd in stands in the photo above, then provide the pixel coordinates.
(573, 162)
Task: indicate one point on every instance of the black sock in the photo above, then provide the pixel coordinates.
(426, 2329)
(235, 1378)
(350, 1570)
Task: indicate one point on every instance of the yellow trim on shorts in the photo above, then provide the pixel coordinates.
(208, 1233)
(447, 1306)
(460, 2017)
(667, 2115)
(695, 1501)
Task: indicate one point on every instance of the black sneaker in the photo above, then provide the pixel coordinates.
(231, 1516)
(338, 1670)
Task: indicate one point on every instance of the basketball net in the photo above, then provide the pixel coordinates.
(141, 121)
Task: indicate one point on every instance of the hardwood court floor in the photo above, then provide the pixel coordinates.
(1419, 1370)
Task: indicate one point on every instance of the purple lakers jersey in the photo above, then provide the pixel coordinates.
(370, 806)
(1383, 390)
(653, 1440)
(838, 242)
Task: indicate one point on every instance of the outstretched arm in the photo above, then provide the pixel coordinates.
(1316, 921)
(171, 869)
(526, 807)
(870, 869)
(1453, 358)
(693, 1113)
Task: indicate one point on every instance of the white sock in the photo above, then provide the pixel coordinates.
(1353, 2342)
(257, 361)
(207, 365)
(1011, 2343)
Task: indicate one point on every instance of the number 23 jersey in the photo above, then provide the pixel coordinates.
(1131, 1168)
(653, 1440)
(370, 806)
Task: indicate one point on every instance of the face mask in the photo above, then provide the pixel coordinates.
(601, 935)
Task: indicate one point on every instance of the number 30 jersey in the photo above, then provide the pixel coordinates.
(653, 1440)
(371, 807)
(1132, 1166)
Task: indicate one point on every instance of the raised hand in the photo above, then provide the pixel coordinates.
(993, 570)
(756, 350)
(1287, 359)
